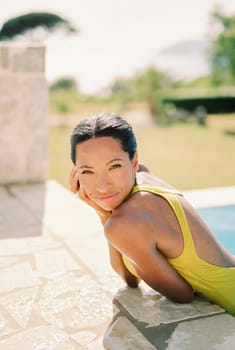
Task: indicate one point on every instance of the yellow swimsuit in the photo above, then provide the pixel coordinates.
(212, 282)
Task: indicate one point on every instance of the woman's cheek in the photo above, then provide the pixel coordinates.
(85, 183)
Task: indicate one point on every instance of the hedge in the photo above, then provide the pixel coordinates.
(211, 104)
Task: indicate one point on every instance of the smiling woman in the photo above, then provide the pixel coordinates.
(108, 176)
(153, 233)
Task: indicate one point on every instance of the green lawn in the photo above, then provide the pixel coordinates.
(186, 155)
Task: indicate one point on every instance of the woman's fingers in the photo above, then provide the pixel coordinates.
(73, 180)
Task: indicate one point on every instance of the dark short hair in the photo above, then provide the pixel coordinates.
(104, 124)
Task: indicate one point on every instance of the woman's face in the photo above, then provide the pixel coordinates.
(105, 171)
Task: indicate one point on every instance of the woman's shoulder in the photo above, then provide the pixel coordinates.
(124, 219)
(150, 179)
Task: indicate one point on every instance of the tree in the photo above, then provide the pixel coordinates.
(64, 83)
(223, 52)
(35, 24)
(122, 91)
(149, 86)
(146, 86)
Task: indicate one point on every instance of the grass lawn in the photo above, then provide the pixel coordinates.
(186, 155)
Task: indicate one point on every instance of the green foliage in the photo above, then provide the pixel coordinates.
(212, 104)
(200, 82)
(194, 103)
(146, 86)
(64, 83)
(63, 101)
(223, 53)
(149, 87)
(28, 22)
(122, 91)
(70, 101)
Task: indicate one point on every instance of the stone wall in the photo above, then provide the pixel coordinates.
(23, 114)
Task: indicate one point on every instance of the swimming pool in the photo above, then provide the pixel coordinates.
(221, 220)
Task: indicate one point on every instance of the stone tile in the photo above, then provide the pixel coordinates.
(17, 276)
(5, 329)
(124, 335)
(5, 261)
(33, 197)
(19, 305)
(38, 338)
(148, 306)
(95, 242)
(215, 333)
(22, 246)
(84, 338)
(20, 231)
(64, 284)
(16, 220)
(97, 260)
(78, 304)
(73, 223)
(111, 283)
(96, 345)
(55, 197)
(14, 213)
(57, 261)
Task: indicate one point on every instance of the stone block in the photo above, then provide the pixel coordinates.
(123, 335)
(34, 101)
(150, 307)
(23, 114)
(37, 158)
(4, 57)
(215, 333)
(42, 337)
(8, 164)
(27, 59)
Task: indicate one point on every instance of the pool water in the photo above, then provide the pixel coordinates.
(221, 220)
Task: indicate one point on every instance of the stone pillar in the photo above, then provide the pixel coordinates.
(23, 114)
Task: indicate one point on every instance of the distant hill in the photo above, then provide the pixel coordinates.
(188, 47)
(184, 60)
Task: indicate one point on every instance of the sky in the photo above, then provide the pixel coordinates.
(117, 38)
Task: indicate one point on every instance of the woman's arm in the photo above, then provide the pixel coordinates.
(119, 267)
(131, 239)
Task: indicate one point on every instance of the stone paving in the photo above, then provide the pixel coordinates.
(58, 292)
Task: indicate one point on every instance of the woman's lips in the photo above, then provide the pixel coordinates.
(106, 197)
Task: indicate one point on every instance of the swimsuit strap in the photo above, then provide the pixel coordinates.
(154, 189)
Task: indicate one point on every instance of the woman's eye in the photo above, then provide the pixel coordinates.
(115, 166)
(86, 172)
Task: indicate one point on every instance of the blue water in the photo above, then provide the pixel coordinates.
(221, 220)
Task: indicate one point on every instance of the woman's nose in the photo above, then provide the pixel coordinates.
(102, 183)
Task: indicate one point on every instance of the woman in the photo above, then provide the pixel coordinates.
(153, 233)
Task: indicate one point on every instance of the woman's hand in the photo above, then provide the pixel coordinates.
(103, 214)
(74, 180)
(80, 192)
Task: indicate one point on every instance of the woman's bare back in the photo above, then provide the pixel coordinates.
(162, 219)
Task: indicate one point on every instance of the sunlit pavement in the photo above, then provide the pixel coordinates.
(58, 292)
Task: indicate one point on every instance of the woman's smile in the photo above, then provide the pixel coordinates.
(106, 197)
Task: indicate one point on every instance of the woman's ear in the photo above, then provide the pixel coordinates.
(135, 162)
